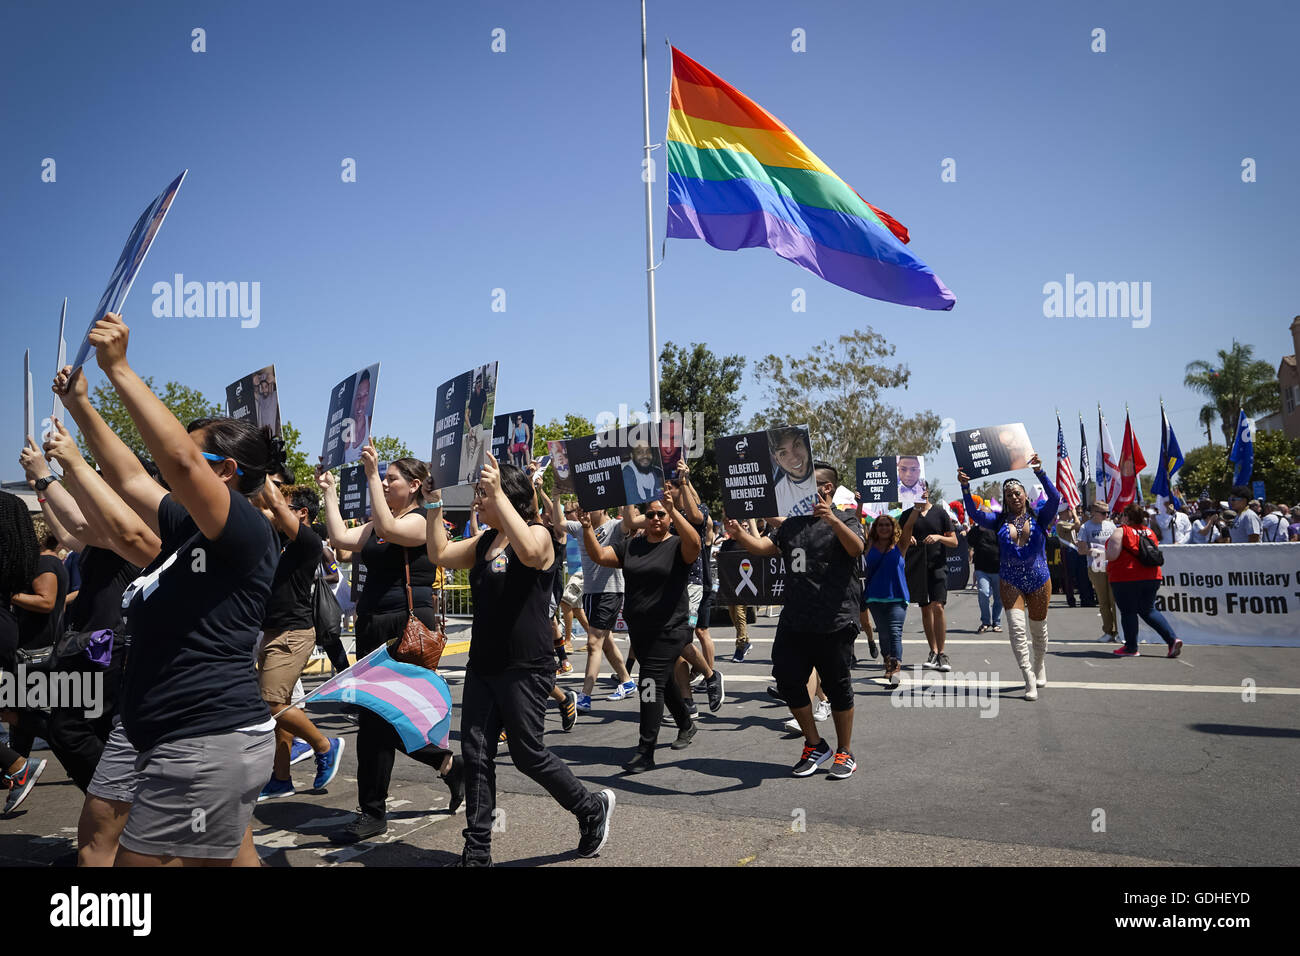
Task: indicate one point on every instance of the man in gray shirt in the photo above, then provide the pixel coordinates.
(602, 599)
(1246, 528)
(1093, 536)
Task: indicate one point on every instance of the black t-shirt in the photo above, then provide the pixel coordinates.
(384, 589)
(289, 606)
(654, 584)
(104, 576)
(984, 545)
(512, 602)
(922, 555)
(194, 618)
(823, 590)
(44, 630)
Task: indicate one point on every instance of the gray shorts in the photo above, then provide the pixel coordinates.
(115, 776)
(196, 795)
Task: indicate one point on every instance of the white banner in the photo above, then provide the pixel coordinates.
(1231, 594)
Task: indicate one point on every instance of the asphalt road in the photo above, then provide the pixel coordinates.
(1144, 760)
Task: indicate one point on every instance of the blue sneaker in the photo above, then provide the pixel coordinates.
(300, 751)
(742, 651)
(276, 788)
(327, 764)
(22, 783)
(625, 689)
(584, 703)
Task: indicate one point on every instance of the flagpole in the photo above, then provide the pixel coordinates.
(649, 227)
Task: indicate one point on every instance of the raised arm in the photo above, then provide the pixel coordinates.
(117, 463)
(341, 537)
(690, 497)
(110, 522)
(905, 539)
(193, 482)
(532, 543)
(757, 545)
(65, 518)
(633, 520)
(602, 554)
(1047, 513)
(977, 514)
(456, 555)
(685, 529)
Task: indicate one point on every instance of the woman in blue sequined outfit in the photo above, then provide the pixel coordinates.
(1026, 583)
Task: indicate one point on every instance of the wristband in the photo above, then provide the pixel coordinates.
(432, 505)
(40, 500)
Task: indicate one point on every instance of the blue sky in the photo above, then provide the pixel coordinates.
(521, 171)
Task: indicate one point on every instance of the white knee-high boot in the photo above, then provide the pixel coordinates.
(1020, 647)
(1038, 633)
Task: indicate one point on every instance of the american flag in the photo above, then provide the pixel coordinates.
(1064, 470)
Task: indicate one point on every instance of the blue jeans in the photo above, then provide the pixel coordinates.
(989, 586)
(1137, 599)
(888, 618)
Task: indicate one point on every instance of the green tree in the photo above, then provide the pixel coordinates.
(1236, 380)
(1276, 464)
(694, 382)
(184, 402)
(837, 391)
(389, 448)
(295, 457)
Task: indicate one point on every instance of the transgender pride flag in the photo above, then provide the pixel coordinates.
(416, 701)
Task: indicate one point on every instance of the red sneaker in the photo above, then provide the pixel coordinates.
(1123, 651)
(1176, 648)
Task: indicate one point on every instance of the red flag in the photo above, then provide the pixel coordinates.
(1130, 463)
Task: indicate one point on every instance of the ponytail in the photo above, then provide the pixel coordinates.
(255, 450)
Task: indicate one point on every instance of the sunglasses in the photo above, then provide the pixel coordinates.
(211, 457)
(655, 515)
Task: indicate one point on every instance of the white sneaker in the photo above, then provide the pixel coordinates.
(1105, 639)
(930, 661)
(792, 725)
(821, 710)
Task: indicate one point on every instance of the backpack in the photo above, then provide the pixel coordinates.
(1148, 552)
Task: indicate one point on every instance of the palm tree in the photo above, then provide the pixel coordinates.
(1237, 381)
(1208, 413)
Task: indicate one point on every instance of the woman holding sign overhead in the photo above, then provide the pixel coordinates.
(391, 547)
(190, 700)
(1024, 581)
(656, 568)
(511, 667)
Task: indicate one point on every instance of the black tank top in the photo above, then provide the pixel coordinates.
(512, 626)
(385, 589)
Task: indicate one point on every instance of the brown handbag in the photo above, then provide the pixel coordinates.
(418, 645)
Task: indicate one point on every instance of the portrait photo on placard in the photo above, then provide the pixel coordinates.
(912, 486)
(480, 401)
(792, 470)
(512, 439)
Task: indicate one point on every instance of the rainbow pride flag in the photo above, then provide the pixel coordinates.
(738, 178)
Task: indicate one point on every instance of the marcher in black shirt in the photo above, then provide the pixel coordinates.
(289, 636)
(190, 702)
(656, 569)
(820, 619)
(390, 546)
(511, 669)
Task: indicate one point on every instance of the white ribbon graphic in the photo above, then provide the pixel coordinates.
(746, 577)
